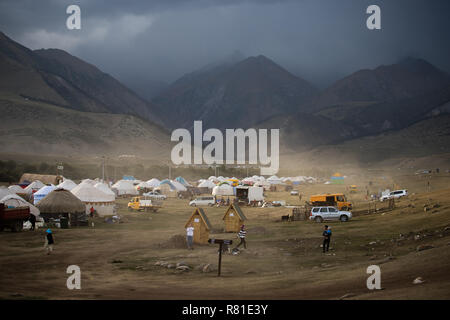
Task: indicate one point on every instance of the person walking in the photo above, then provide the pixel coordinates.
(49, 241)
(241, 235)
(326, 238)
(190, 236)
(33, 221)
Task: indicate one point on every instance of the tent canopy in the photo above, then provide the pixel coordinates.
(88, 193)
(14, 201)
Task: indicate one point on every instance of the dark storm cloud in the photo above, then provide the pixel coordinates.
(146, 41)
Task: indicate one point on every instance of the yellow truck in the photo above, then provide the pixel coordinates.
(331, 199)
(144, 204)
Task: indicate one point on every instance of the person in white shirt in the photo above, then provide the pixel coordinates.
(190, 236)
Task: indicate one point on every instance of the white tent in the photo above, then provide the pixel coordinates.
(88, 193)
(67, 184)
(34, 186)
(5, 192)
(42, 193)
(93, 197)
(264, 184)
(90, 181)
(153, 182)
(13, 201)
(16, 189)
(206, 184)
(223, 190)
(105, 189)
(274, 180)
(125, 187)
(178, 185)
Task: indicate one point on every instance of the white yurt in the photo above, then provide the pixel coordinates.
(5, 192)
(274, 180)
(67, 184)
(14, 201)
(264, 184)
(104, 188)
(16, 189)
(34, 186)
(206, 184)
(93, 197)
(124, 187)
(153, 182)
(90, 181)
(178, 185)
(42, 193)
(223, 190)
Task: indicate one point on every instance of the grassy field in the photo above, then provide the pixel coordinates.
(283, 260)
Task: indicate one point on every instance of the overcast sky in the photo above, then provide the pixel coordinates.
(139, 42)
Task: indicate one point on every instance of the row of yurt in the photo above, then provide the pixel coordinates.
(93, 197)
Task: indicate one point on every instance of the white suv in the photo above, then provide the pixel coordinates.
(202, 201)
(319, 214)
(394, 195)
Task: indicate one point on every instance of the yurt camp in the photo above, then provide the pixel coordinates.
(93, 197)
(201, 224)
(62, 203)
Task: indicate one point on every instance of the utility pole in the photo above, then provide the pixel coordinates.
(170, 170)
(103, 168)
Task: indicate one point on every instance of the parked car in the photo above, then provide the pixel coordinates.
(155, 195)
(294, 193)
(202, 201)
(319, 214)
(394, 195)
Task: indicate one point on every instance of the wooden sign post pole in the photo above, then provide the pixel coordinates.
(221, 242)
(220, 259)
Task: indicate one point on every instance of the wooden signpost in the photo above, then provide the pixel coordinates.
(221, 242)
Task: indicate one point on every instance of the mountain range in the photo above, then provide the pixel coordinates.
(51, 86)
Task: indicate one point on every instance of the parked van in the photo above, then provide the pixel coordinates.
(394, 195)
(202, 201)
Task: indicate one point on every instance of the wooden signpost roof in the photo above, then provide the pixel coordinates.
(237, 209)
(202, 214)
